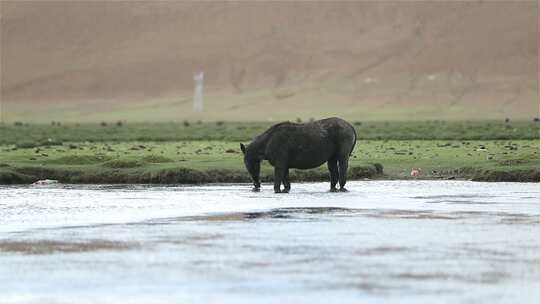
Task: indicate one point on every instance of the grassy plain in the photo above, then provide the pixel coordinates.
(208, 152)
(40, 134)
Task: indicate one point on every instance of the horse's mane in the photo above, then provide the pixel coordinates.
(269, 132)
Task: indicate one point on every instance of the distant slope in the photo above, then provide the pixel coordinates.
(89, 60)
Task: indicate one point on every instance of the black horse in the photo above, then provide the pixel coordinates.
(302, 146)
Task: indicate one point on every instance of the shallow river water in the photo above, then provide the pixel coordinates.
(382, 242)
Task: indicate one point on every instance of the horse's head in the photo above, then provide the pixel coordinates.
(253, 165)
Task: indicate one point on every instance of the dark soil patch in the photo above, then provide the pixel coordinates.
(531, 175)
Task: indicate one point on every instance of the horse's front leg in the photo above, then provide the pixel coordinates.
(279, 176)
(334, 174)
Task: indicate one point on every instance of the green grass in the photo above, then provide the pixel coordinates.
(33, 135)
(446, 158)
(209, 151)
(211, 160)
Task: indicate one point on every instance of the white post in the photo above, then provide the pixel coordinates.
(198, 95)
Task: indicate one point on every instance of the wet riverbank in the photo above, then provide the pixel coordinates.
(28, 175)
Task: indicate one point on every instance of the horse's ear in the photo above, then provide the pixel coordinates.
(243, 148)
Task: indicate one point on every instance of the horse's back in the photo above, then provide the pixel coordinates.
(311, 144)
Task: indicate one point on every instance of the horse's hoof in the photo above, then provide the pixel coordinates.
(343, 190)
(285, 190)
(255, 189)
(277, 191)
(333, 190)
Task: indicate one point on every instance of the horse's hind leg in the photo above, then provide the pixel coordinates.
(286, 182)
(343, 166)
(333, 168)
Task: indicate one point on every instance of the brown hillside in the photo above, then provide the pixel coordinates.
(90, 60)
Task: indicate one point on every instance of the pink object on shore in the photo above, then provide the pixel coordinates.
(415, 172)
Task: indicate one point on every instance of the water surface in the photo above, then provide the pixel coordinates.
(382, 242)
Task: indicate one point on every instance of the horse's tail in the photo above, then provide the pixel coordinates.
(354, 142)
